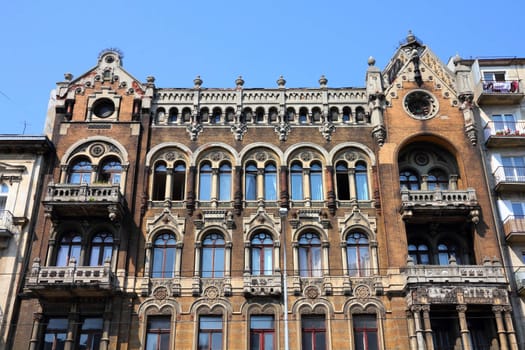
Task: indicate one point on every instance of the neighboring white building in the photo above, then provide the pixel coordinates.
(23, 160)
(498, 92)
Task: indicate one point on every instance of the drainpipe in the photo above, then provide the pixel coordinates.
(283, 213)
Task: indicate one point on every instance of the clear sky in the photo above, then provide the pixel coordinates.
(219, 40)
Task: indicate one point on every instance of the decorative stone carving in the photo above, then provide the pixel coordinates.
(362, 291)
(160, 293)
(311, 292)
(239, 129)
(282, 129)
(194, 130)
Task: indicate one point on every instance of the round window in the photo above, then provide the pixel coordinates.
(103, 108)
(420, 104)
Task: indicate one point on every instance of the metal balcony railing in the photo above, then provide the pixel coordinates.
(509, 174)
(500, 86)
(505, 128)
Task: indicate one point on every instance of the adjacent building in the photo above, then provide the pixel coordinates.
(275, 218)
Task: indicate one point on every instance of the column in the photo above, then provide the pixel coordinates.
(214, 197)
(497, 309)
(247, 257)
(325, 252)
(283, 185)
(306, 187)
(190, 191)
(463, 328)
(63, 174)
(507, 316)
(104, 341)
(227, 258)
(260, 185)
(237, 190)
(37, 321)
(330, 191)
(416, 309)
(72, 328)
(178, 258)
(411, 331)
(351, 183)
(169, 184)
(197, 258)
(427, 326)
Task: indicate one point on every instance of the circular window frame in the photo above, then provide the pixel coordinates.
(416, 96)
(103, 108)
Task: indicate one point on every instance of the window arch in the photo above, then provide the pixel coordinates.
(216, 116)
(259, 115)
(110, 171)
(179, 181)
(296, 181)
(159, 181)
(101, 249)
(290, 114)
(262, 250)
(164, 251)
(347, 114)
(250, 178)
(316, 181)
(69, 247)
(247, 115)
(205, 181)
(229, 115)
(173, 116)
(334, 114)
(303, 115)
(272, 114)
(213, 256)
(80, 171)
(358, 254)
(352, 180)
(309, 249)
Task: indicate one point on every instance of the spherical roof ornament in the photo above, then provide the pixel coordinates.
(371, 61)
(239, 81)
(281, 82)
(197, 81)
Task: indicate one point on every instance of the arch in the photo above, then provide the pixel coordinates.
(360, 147)
(197, 154)
(153, 305)
(355, 305)
(303, 304)
(260, 145)
(309, 228)
(306, 145)
(153, 152)
(204, 305)
(213, 229)
(73, 149)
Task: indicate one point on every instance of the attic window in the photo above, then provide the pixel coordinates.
(110, 59)
(103, 108)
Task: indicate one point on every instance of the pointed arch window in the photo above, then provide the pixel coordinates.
(225, 182)
(69, 247)
(446, 250)
(262, 254)
(80, 171)
(270, 182)
(179, 181)
(296, 179)
(159, 181)
(310, 255)
(111, 171)
(213, 253)
(316, 182)
(358, 254)
(361, 181)
(101, 249)
(251, 182)
(205, 182)
(164, 250)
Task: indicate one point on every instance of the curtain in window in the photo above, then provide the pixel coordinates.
(310, 255)
(101, 249)
(262, 254)
(225, 180)
(270, 182)
(361, 182)
(316, 182)
(358, 254)
(205, 182)
(250, 192)
(296, 175)
(69, 247)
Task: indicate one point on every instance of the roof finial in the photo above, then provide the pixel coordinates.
(411, 37)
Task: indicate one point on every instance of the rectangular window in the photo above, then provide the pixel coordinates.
(514, 168)
(262, 332)
(56, 334)
(504, 123)
(365, 332)
(313, 332)
(210, 333)
(270, 186)
(523, 256)
(91, 333)
(158, 333)
(205, 187)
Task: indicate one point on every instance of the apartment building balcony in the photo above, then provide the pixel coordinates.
(262, 285)
(506, 92)
(71, 281)
(422, 205)
(520, 280)
(509, 178)
(81, 200)
(514, 228)
(509, 134)
(7, 228)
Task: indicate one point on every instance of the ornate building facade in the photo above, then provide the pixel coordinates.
(276, 218)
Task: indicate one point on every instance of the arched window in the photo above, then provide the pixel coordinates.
(347, 113)
(159, 181)
(409, 180)
(262, 254)
(101, 249)
(272, 114)
(174, 115)
(358, 254)
(290, 114)
(205, 182)
(259, 115)
(361, 181)
(164, 249)
(179, 181)
(334, 114)
(111, 171)
(437, 180)
(4, 191)
(310, 255)
(80, 171)
(419, 253)
(446, 250)
(225, 182)
(303, 115)
(213, 251)
(316, 182)
(270, 182)
(296, 179)
(69, 247)
(251, 182)
(343, 182)
(216, 117)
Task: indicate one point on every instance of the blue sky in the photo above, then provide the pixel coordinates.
(220, 40)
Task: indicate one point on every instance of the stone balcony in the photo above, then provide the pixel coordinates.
(7, 228)
(258, 285)
(520, 280)
(80, 200)
(422, 205)
(71, 280)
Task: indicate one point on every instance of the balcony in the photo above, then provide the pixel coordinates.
(439, 205)
(519, 274)
(81, 200)
(71, 281)
(509, 178)
(257, 285)
(505, 134)
(514, 227)
(7, 228)
(489, 272)
(506, 92)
